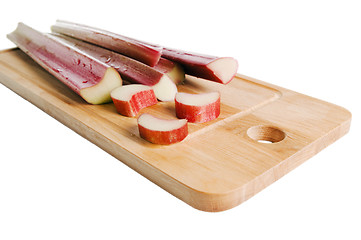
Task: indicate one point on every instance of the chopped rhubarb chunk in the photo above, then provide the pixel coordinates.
(162, 131)
(197, 108)
(130, 99)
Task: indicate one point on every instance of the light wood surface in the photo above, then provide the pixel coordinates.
(220, 164)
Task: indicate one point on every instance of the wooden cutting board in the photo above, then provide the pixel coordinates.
(221, 163)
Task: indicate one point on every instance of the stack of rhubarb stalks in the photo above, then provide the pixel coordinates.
(102, 66)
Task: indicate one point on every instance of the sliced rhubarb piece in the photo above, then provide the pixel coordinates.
(218, 69)
(130, 99)
(130, 70)
(138, 50)
(162, 131)
(173, 70)
(91, 79)
(197, 108)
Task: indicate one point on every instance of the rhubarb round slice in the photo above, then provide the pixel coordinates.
(162, 131)
(92, 79)
(130, 99)
(198, 108)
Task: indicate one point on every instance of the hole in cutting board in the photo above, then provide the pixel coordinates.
(266, 134)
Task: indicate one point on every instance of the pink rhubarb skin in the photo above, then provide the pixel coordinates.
(90, 78)
(162, 131)
(130, 99)
(198, 108)
(130, 70)
(138, 50)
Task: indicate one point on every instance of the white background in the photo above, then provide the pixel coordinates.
(54, 184)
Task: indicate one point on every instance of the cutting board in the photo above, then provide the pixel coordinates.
(263, 132)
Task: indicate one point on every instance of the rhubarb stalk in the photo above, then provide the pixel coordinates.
(218, 69)
(129, 69)
(92, 79)
(138, 50)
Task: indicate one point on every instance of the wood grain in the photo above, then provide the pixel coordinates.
(221, 163)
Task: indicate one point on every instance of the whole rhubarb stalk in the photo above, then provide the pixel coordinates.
(140, 51)
(92, 79)
(218, 69)
(130, 70)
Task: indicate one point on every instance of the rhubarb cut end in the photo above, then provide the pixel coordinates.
(100, 93)
(157, 56)
(163, 125)
(165, 90)
(197, 99)
(224, 68)
(173, 70)
(177, 75)
(125, 93)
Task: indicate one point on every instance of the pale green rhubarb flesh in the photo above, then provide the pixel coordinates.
(90, 78)
(133, 48)
(130, 70)
(173, 70)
